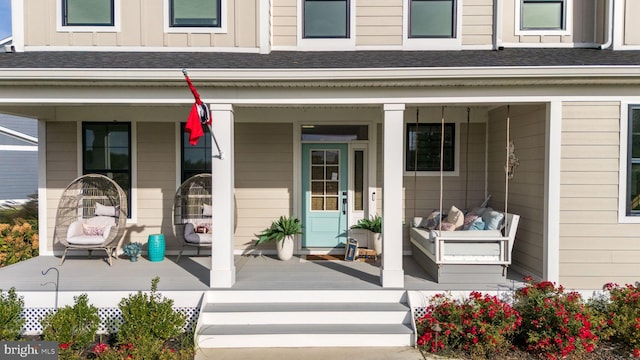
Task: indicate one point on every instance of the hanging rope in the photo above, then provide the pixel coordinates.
(415, 165)
(506, 172)
(466, 165)
(441, 165)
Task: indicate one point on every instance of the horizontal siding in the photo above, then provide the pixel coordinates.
(284, 22)
(477, 22)
(526, 189)
(594, 247)
(631, 26)
(263, 178)
(379, 22)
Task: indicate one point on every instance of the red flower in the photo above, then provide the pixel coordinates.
(100, 348)
(636, 353)
(64, 346)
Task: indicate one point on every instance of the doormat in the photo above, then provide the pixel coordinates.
(324, 257)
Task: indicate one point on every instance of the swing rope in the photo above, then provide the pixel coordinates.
(415, 165)
(466, 164)
(506, 168)
(441, 165)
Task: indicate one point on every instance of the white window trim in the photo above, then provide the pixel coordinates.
(568, 22)
(222, 29)
(622, 180)
(454, 43)
(115, 28)
(331, 43)
(456, 157)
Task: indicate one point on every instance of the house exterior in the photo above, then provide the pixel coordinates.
(18, 158)
(316, 106)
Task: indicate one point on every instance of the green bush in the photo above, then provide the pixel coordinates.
(149, 319)
(18, 242)
(622, 309)
(73, 327)
(11, 320)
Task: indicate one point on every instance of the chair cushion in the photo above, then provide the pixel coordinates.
(191, 236)
(86, 240)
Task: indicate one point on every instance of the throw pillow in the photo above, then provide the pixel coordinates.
(93, 230)
(206, 210)
(493, 220)
(476, 224)
(103, 210)
(432, 220)
(455, 217)
(468, 219)
(446, 226)
(203, 228)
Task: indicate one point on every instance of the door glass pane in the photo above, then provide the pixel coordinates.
(317, 157)
(358, 180)
(332, 188)
(317, 188)
(317, 173)
(431, 18)
(333, 156)
(332, 203)
(89, 12)
(317, 203)
(325, 19)
(324, 182)
(332, 173)
(542, 15)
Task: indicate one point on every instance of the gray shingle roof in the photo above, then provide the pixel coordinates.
(320, 60)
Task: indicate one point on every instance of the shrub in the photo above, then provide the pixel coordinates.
(149, 319)
(555, 323)
(623, 313)
(73, 327)
(11, 320)
(17, 242)
(480, 325)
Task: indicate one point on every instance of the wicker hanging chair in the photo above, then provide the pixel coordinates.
(192, 213)
(91, 215)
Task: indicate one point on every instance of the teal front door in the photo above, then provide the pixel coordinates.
(324, 195)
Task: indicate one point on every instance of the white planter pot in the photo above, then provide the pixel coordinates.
(375, 240)
(285, 248)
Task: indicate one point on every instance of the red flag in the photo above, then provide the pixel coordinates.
(198, 116)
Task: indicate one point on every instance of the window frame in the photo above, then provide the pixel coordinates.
(221, 29)
(453, 22)
(624, 176)
(206, 138)
(456, 150)
(432, 43)
(327, 43)
(61, 25)
(104, 171)
(566, 19)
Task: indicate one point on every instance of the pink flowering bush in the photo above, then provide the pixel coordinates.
(556, 324)
(480, 325)
(623, 314)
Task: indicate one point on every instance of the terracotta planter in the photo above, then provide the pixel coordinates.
(285, 248)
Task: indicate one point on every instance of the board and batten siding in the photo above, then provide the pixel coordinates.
(142, 25)
(594, 248)
(61, 167)
(525, 195)
(263, 179)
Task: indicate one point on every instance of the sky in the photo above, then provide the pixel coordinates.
(5, 18)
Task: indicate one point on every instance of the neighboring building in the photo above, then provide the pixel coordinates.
(292, 83)
(18, 158)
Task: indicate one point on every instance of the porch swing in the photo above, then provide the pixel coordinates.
(466, 247)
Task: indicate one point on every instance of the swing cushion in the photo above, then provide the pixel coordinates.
(493, 220)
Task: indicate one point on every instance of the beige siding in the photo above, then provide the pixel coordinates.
(526, 189)
(284, 22)
(587, 25)
(156, 184)
(142, 25)
(263, 178)
(379, 22)
(61, 167)
(594, 247)
(477, 22)
(631, 25)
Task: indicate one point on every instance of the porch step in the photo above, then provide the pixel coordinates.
(304, 318)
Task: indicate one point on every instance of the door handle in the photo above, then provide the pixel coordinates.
(344, 203)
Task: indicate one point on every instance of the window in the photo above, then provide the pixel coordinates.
(424, 140)
(107, 151)
(432, 18)
(543, 15)
(88, 12)
(195, 159)
(326, 19)
(633, 163)
(194, 13)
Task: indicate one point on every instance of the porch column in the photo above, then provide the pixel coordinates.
(223, 271)
(391, 272)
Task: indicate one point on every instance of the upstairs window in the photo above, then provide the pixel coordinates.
(423, 141)
(543, 14)
(194, 13)
(326, 19)
(432, 18)
(88, 12)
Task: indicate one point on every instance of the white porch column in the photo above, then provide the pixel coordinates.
(223, 271)
(391, 272)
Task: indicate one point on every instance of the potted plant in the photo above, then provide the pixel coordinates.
(282, 231)
(374, 225)
(132, 250)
